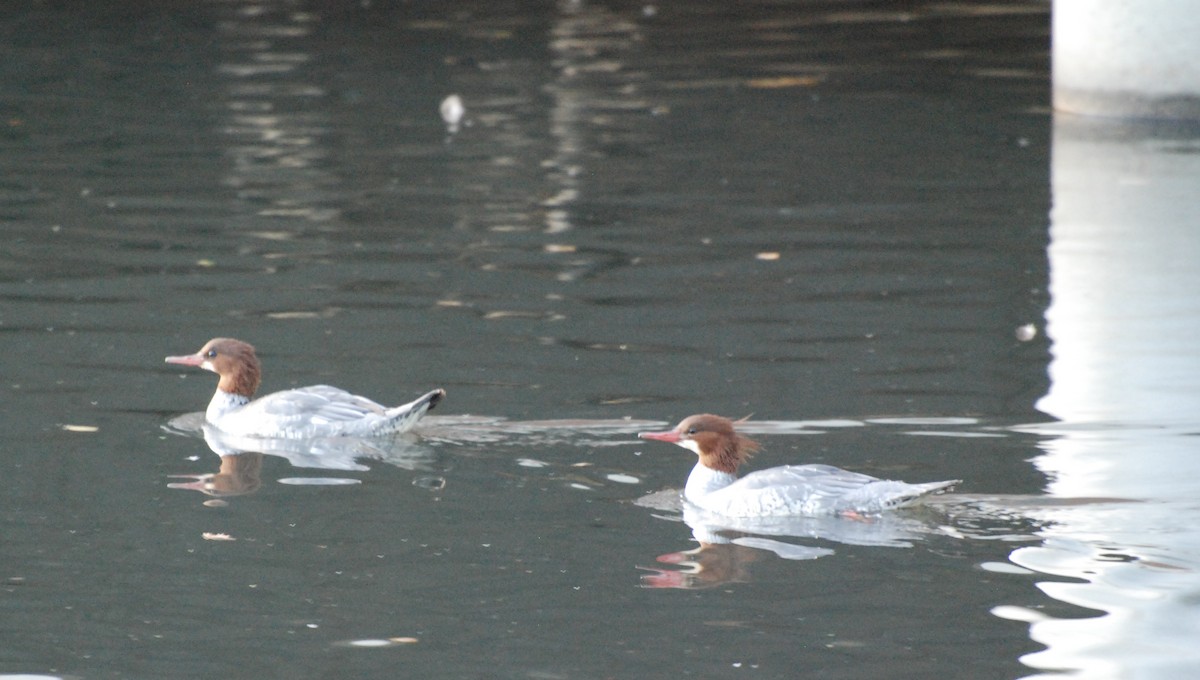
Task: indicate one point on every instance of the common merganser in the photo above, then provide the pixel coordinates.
(302, 413)
(810, 490)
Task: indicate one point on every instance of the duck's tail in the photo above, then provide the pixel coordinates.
(402, 418)
(915, 492)
(884, 495)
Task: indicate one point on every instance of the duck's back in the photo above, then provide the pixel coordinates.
(811, 490)
(314, 411)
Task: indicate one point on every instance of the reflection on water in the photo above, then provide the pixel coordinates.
(593, 89)
(239, 474)
(708, 566)
(789, 209)
(276, 134)
(728, 545)
(1125, 375)
(325, 453)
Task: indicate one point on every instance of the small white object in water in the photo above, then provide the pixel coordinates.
(1026, 333)
(623, 479)
(531, 463)
(80, 428)
(370, 643)
(452, 111)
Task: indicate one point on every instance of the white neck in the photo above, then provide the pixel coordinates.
(705, 480)
(222, 404)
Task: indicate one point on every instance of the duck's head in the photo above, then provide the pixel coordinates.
(712, 438)
(231, 359)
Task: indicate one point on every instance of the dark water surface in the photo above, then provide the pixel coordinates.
(830, 215)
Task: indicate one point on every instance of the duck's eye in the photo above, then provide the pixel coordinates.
(210, 354)
(691, 430)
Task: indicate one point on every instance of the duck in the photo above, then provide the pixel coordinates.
(787, 490)
(303, 413)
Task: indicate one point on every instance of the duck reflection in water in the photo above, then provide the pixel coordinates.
(325, 453)
(239, 474)
(706, 566)
(727, 545)
(242, 457)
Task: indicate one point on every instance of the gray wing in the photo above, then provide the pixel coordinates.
(318, 404)
(816, 480)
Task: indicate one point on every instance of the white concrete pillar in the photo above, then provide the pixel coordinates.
(1127, 58)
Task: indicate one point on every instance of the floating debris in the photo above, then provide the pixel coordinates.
(623, 479)
(1026, 333)
(768, 256)
(81, 428)
(453, 111)
(370, 643)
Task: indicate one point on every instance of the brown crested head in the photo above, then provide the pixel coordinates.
(231, 359)
(236, 363)
(713, 438)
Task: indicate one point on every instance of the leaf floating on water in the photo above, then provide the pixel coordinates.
(81, 428)
(209, 536)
